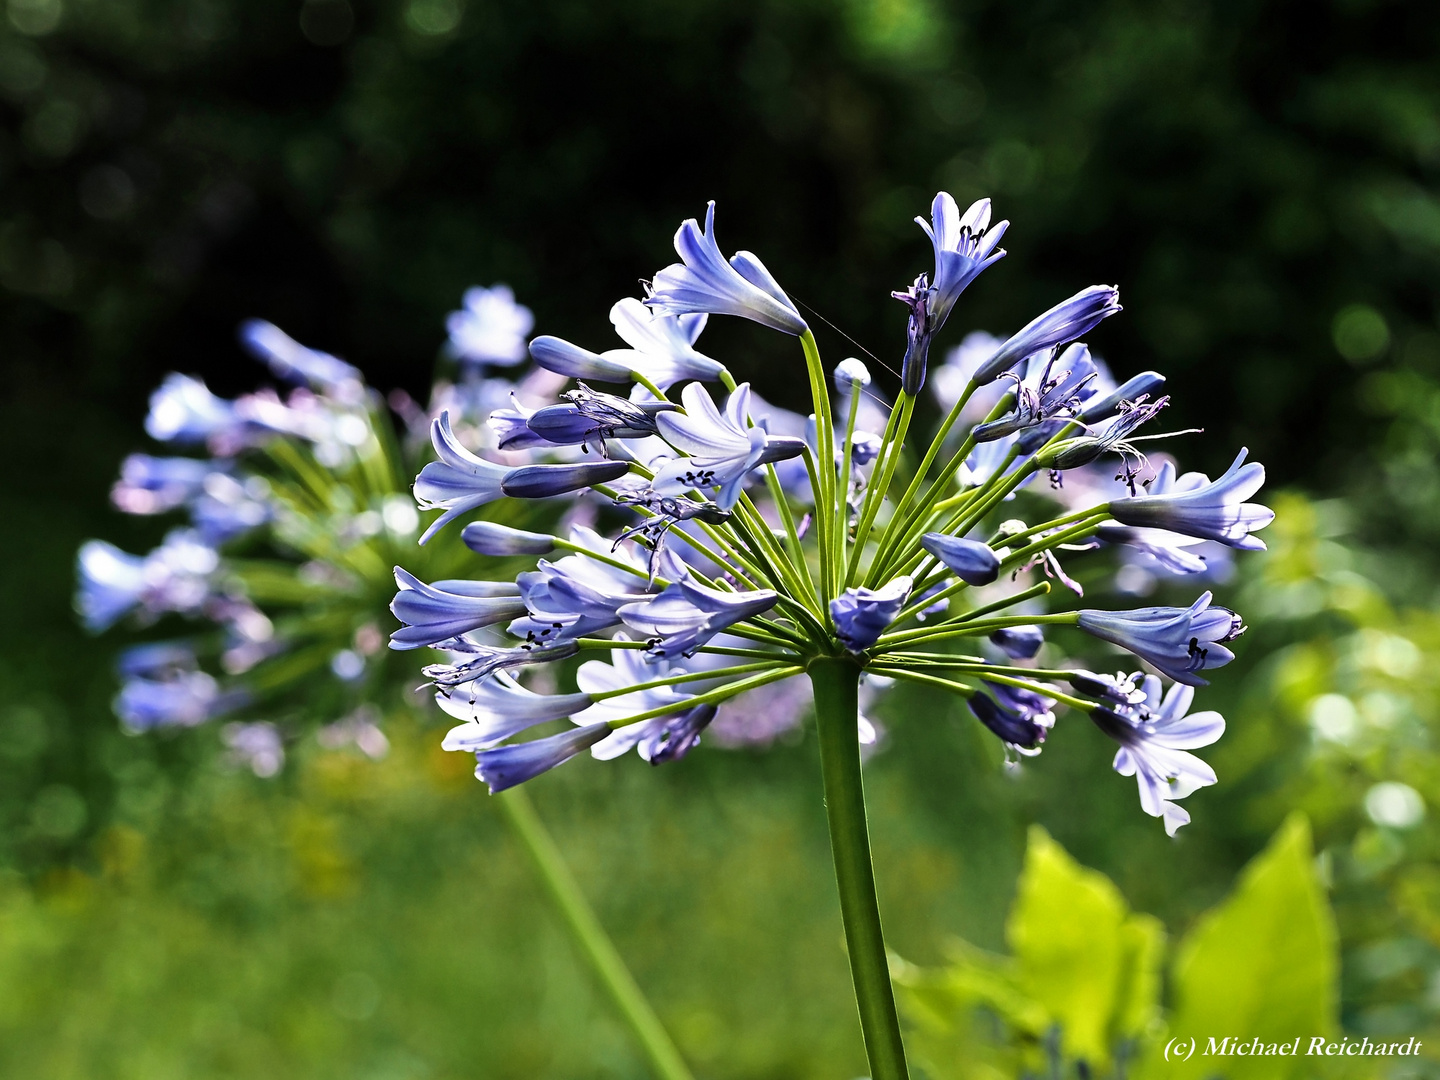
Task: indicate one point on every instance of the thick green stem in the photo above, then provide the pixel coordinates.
(590, 937)
(836, 682)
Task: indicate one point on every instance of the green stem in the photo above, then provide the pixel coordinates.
(836, 683)
(590, 937)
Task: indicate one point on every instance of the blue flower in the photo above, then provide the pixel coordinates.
(498, 707)
(1195, 506)
(228, 508)
(1178, 642)
(177, 576)
(704, 282)
(457, 483)
(557, 355)
(1020, 718)
(861, 615)
(490, 538)
(657, 740)
(505, 766)
(490, 328)
(1058, 388)
(1169, 549)
(971, 561)
(184, 410)
(1154, 736)
(180, 699)
(153, 485)
(662, 346)
(1019, 642)
(1145, 385)
(488, 659)
(589, 417)
(546, 481)
(965, 244)
(687, 614)
(577, 596)
(722, 448)
(511, 427)
(1064, 322)
(295, 363)
(850, 373)
(448, 609)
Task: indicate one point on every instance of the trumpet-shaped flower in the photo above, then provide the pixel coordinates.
(448, 609)
(579, 595)
(722, 449)
(1063, 323)
(547, 481)
(965, 245)
(588, 417)
(861, 615)
(661, 345)
(457, 483)
(153, 485)
(505, 766)
(687, 614)
(557, 355)
(1019, 718)
(1103, 406)
(704, 282)
(179, 699)
(1179, 642)
(1195, 506)
(490, 328)
(498, 707)
(1058, 388)
(1154, 736)
(659, 739)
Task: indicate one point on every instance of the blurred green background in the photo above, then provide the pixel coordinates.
(1260, 179)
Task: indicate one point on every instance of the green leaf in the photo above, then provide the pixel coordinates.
(1082, 954)
(1261, 965)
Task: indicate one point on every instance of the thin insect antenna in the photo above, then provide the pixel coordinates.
(846, 336)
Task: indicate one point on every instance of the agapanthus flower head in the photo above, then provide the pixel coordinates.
(704, 282)
(728, 580)
(1154, 735)
(490, 327)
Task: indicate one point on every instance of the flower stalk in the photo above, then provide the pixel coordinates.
(589, 936)
(836, 685)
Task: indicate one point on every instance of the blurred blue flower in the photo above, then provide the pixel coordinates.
(490, 327)
(184, 410)
(295, 363)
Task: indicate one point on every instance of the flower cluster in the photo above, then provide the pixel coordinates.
(748, 544)
(295, 519)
